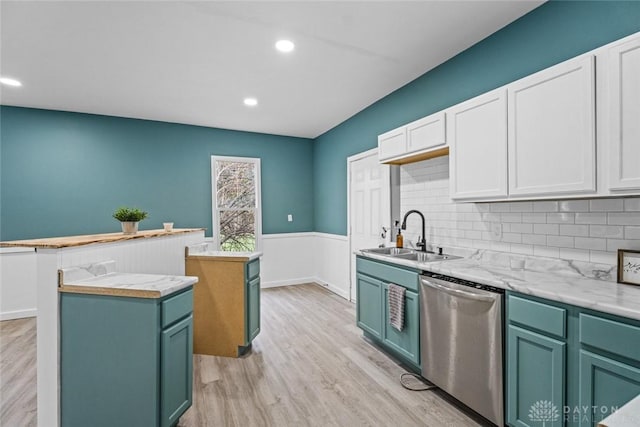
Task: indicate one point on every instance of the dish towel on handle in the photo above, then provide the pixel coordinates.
(396, 306)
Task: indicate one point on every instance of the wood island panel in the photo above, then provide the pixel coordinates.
(218, 306)
(71, 241)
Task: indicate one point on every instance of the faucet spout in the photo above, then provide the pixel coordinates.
(422, 244)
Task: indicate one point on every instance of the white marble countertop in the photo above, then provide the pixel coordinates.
(102, 279)
(581, 284)
(207, 250)
(626, 416)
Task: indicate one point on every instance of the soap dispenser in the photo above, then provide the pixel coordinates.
(399, 237)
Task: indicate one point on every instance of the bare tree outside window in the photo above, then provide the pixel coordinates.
(236, 204)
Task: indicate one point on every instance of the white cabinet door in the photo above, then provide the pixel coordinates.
(392, 144)
(552, 131)
(478, 147)
(624, 137)
(426, 133)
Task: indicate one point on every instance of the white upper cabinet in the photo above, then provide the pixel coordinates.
(477, 132)
(426, 133)
(409, 142)
(624, 132)
(551, 122)
(392, 144)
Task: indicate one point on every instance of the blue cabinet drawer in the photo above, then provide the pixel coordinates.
(539, 316)
(615, 337)
(388, 273)
(177, 307)
(253, 269)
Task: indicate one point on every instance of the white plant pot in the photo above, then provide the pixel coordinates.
(130, 227)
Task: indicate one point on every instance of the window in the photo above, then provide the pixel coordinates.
(237, 219)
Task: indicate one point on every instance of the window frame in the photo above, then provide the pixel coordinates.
(214, 199)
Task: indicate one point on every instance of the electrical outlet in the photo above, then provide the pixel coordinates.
(290, 218)
(496, 230)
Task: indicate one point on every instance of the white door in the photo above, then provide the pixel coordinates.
(369, 205)
(625, 116)
(478, 147)
(551, 144)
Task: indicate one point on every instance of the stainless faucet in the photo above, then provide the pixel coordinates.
(421, 244)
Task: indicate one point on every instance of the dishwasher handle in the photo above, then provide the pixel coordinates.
(459, 293)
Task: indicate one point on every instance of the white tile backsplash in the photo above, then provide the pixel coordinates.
(580, 230)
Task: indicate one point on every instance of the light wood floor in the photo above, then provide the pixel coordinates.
(309, 366)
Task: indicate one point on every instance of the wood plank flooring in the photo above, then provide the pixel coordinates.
(309, 366)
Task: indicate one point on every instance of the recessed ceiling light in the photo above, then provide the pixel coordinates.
(250, 102)
(285, 45)
(10, 82)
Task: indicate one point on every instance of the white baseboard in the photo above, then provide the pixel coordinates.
(18, 314)
(333, 288)
(289, 282)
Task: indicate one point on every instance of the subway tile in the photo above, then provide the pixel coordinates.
(591, 218)
(632, 232)
(521, 207)
(614, 244)
(574, 206)
(473, 234)
(481, 244)
(590, 243)
(534, 239)
(501, 246)
(546, 251)
(465, 225)
(626, 218)
(575, 254)
(536, 218)
(500, 207)
(487, 235)
(521, 228)
(574, 230)
(606, 205)
(561, 218)
(560, 241)
(546, 229)
(632, 204)
(610, 231)
(601, 257)
(483, 207)
(480, 226)
(545, 206)
(511, 217)
(522, 249)
(512, 237)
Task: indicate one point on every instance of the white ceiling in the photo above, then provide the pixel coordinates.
(194, 62)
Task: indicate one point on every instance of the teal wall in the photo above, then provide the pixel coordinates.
(65, 173)
(552, 33)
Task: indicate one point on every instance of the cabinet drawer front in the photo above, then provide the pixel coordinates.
(543, 317)
(388, 273)
(253, 269)
(614, 337)
(177, 307)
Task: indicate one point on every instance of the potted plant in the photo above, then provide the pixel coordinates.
(129, 219)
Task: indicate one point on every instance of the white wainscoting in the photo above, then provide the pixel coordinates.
(297, 258)
(18, 272)
(288, 259)
(331, 256)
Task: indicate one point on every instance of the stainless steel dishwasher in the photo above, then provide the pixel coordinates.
(461, 342)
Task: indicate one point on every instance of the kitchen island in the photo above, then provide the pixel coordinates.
(149, 251)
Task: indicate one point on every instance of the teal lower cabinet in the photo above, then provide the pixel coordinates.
(253, 309)
(372, 284)
(125, 361)
(407, 341)
(536, 378)
(566, 365)
(369, 305)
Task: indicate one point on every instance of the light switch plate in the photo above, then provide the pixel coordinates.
(290, 218)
